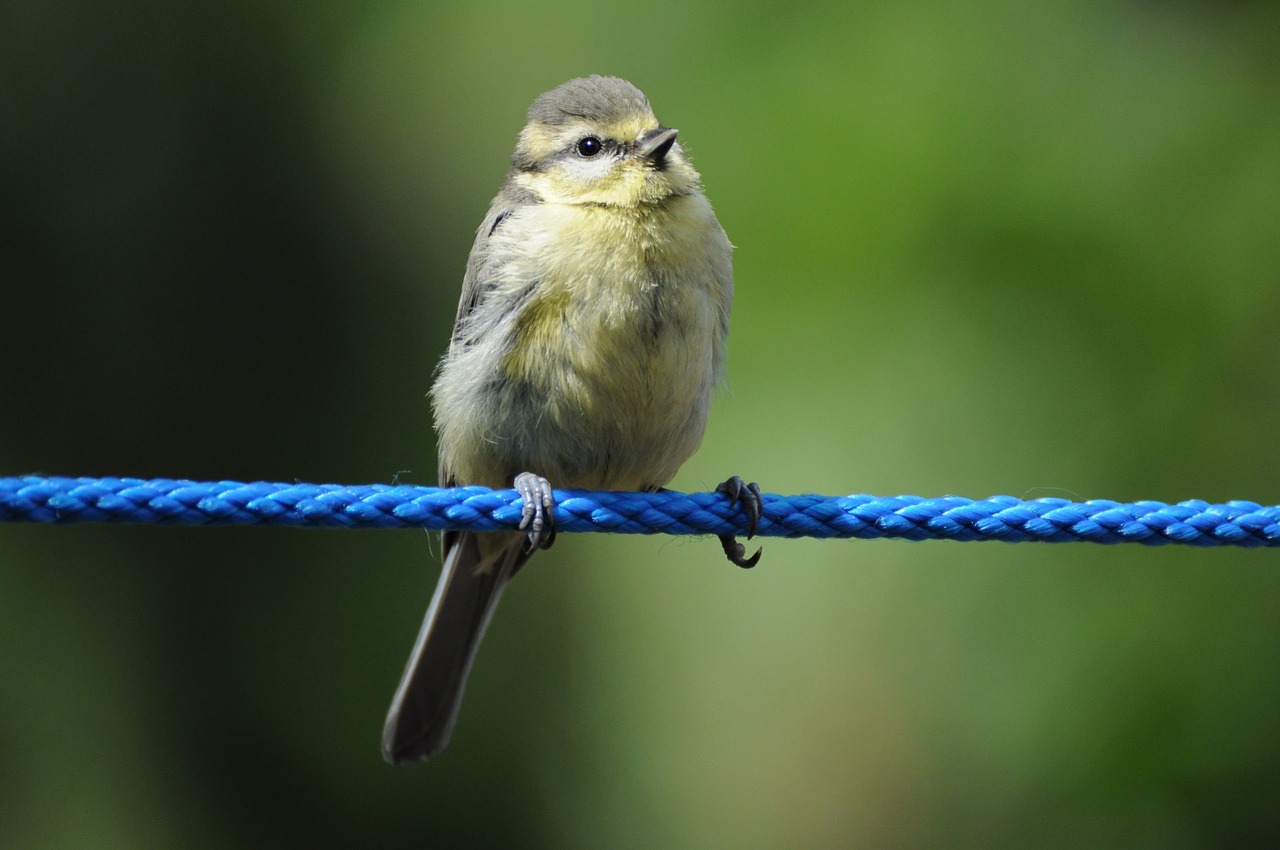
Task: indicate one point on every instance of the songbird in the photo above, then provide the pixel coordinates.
(589, 338)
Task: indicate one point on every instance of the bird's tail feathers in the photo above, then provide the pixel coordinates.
(425, 707)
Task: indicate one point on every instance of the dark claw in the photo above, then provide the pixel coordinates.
(735, 552)
(748, 496)
(536, 518)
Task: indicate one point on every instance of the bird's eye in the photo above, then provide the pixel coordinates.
(589, 146)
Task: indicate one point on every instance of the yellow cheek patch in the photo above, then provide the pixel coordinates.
(627, 185)
(618, 187)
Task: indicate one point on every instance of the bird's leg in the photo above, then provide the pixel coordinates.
(748, 496)
(536, 519)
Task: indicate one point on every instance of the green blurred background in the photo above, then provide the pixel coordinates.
(983, 247)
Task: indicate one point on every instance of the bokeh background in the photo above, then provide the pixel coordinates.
(983, 247)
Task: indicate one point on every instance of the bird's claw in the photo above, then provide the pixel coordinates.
(748, 496)
(736, 552)
(536, 518)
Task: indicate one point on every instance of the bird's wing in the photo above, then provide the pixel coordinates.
(482, 267)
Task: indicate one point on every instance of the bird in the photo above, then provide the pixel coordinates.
(589, 338)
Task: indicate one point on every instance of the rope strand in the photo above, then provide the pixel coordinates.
(59, 500)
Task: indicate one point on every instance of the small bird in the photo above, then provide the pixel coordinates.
(589, 337)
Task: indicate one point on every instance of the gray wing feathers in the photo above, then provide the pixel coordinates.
(481, 265)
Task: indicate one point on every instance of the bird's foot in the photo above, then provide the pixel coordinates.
(748, 496)
(536, 519)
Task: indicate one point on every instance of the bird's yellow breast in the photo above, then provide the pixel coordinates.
(621, 339)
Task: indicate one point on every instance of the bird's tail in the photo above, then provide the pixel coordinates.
(425, 707)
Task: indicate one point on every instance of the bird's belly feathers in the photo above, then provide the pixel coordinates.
(609, 365)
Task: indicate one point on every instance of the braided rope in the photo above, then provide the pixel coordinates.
(49, 499)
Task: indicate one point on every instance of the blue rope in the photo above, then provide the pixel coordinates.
(49, 499)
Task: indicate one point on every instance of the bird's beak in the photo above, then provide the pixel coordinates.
(653, 145)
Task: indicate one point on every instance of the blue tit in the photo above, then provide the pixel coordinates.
(589, 338)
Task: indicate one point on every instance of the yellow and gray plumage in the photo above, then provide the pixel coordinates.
(589, 338)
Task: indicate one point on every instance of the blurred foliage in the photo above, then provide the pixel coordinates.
(982, 248)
